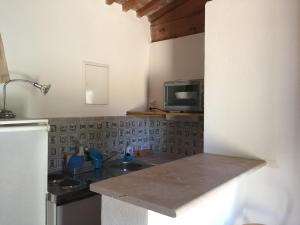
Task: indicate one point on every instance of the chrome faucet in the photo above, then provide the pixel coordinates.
(4, 113)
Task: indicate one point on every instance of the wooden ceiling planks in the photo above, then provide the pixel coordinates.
(109, 2)
(173, 5)
(168, 18)
(178, 28)
(152, 7)
(191, 7)
(129, 5)
(134, 4)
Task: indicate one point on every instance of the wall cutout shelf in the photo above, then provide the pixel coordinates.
(160, 113)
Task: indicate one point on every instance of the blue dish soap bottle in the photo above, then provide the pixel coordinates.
(128, 154)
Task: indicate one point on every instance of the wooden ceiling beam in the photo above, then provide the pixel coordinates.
(169, 7)
(178, 28)
(109, 2)
(169, 18)
(151, 7)
(129, 4)
(189, 8)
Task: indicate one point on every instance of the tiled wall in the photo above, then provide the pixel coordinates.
(114, 133)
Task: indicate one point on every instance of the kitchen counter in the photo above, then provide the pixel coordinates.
(175, 186)
(160, 158)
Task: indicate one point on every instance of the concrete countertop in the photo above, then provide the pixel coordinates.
(172, 187)
(160, 158)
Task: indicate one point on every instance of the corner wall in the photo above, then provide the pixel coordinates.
(252, 101)
(175, 59)
(48, 40)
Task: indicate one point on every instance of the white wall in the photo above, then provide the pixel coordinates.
(252, 101)
(116, 212)
(48, 40)
(176, 59)
(205, 210)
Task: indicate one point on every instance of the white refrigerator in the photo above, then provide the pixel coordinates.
(23, 171)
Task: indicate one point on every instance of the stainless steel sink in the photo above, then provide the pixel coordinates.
(128, 165)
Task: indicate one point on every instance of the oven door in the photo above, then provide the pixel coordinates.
(85, 211)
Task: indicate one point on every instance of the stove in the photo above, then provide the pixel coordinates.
(64, 188)
(69, 184)
(55, 178)
(69, 197)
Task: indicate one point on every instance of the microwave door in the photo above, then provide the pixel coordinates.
(182, 97)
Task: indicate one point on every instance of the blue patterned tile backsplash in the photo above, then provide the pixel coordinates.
(115, 133)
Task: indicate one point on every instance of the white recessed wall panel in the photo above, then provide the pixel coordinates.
(96, 83)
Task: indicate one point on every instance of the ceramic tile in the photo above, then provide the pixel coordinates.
(116, 133)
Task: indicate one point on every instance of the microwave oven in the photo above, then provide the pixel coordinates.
(184, 96)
